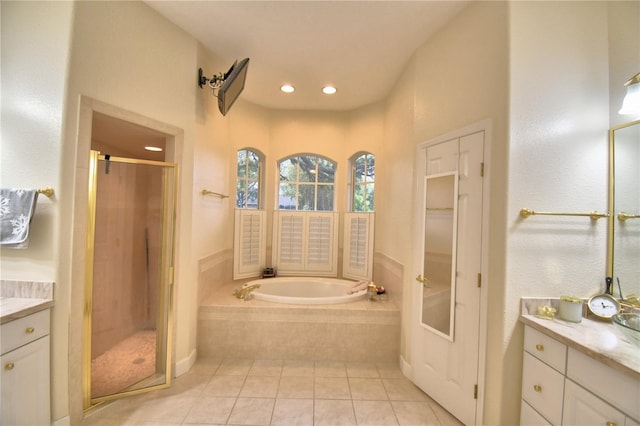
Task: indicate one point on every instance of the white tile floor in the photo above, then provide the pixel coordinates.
(276, 392)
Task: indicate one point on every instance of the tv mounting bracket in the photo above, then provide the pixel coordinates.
(214, 82)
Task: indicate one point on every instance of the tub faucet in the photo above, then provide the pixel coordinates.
(245, 292)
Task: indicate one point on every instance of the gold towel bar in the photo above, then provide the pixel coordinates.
(207, 192)
(622, 216)
(46, 191)
(593, 215)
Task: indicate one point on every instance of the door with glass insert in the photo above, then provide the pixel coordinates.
(129, 277)
(449, 257)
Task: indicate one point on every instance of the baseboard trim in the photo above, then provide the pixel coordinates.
(406, 369)
(65, 421)
(185, 365)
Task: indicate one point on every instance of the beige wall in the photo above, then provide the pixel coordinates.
(559, 117)
(459, 78)
(33, 106)
(119, 56)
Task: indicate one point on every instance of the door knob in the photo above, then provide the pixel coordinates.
(424, 281)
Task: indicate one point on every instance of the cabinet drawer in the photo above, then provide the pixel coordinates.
(542, 388)
(545, 348)
(530, 417)
(584, 408)
(608, 383)
(24, 330)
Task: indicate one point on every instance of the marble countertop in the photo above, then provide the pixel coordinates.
(21, 298)
(12, 308)
(600, 340)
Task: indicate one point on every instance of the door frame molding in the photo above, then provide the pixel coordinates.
(174, 137)
(485, 126)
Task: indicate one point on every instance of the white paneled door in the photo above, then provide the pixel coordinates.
(447, 294)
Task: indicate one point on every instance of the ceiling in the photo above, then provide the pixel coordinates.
(361, 47)
(120, 138)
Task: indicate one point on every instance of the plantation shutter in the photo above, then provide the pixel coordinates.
(358, 246)
(319, 240)
(305, 242)
(290, 242)
(249, 243)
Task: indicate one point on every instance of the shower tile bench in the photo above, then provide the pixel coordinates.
(361, 331)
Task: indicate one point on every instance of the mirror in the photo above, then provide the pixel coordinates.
(624, 205)
(438, 292)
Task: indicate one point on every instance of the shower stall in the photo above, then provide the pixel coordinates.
(128, 286)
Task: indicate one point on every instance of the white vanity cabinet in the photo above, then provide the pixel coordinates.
(25, 378)
(561, 385)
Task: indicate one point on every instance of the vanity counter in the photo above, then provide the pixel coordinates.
(19, 299)
(602, 341)
(12, 308)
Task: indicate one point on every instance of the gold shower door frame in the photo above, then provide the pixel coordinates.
(164, 317)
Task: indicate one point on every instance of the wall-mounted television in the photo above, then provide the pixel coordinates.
(232, 85)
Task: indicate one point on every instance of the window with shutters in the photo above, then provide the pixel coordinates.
(362, 182)
(249, 177)
(249, 243)
(358, 246)
(306, 183)
(305, 243)
(359, 221)
(305, 228)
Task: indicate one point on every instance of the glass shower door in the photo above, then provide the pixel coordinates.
(129, 277)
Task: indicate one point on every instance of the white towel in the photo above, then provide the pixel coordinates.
(362, 285)
(16, 211)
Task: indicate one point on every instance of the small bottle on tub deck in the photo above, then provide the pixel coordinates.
(372, 291)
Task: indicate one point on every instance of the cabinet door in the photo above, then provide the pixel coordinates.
(25, 385)
(584, 408)
(609, 384)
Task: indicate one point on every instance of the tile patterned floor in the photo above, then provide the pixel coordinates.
(276, 392)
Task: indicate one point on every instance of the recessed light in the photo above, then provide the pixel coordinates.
(329, 90)
(153, 148)
(287, 88)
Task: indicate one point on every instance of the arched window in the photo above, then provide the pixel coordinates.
(249, 177)
(362, 182)
(306, 183)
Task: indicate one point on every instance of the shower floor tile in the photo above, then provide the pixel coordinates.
(279, 392)
(126, 363)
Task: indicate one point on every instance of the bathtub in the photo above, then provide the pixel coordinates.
(306, 291)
